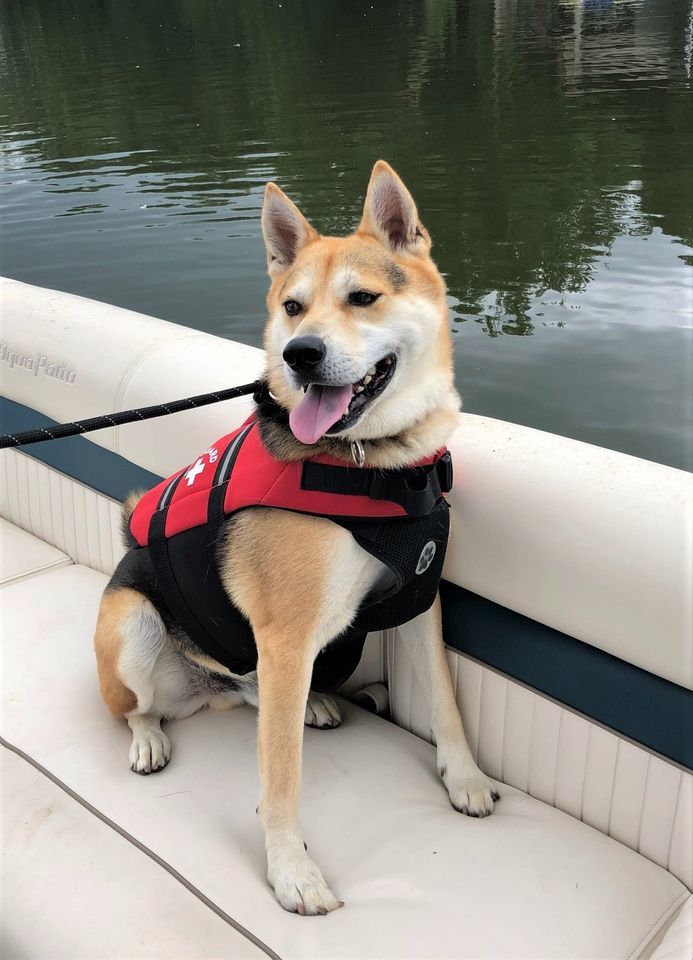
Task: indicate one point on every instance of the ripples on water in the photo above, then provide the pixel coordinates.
(548, 145)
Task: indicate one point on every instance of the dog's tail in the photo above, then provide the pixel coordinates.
(126, 511)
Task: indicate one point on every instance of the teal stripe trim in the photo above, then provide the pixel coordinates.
(640, 705)
(77, 457)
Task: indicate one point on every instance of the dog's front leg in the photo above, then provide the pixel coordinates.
(284, 672)
(469, 789)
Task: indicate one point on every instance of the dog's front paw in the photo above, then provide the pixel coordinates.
(301, 888)
(322, 711)
(470, 791)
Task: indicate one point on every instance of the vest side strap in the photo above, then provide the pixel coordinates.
(168, 587)
(417, 489)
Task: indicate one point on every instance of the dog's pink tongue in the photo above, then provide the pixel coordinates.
(320, 408)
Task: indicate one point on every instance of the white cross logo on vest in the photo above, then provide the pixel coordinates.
(426, 557)
(196, 468)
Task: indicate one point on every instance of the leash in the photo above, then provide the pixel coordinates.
(78, 427)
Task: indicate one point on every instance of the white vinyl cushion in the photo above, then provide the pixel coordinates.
(22, 555)
(589, 541)
(97, 896)
(419, 879)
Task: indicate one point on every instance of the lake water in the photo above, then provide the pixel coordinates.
(549, 146)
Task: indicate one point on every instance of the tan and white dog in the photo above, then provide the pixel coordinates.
(359, 349)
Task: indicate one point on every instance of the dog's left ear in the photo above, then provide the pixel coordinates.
(390, 214)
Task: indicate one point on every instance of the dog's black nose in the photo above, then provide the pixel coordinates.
(303, 354)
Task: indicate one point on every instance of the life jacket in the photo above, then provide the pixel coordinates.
(399, 516)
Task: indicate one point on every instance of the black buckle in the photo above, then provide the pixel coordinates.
(444, 471)
(418, 497)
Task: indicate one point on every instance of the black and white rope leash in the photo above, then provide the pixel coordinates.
(78, 427)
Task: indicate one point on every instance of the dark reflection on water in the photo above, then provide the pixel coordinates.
(548, 145)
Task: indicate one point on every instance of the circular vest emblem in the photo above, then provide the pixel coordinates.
(426, 558)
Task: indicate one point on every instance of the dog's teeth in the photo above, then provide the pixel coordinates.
(389, 361)
(367, 379)
(372, 371)
(359, 389)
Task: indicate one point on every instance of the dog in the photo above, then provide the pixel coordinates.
(359, 367)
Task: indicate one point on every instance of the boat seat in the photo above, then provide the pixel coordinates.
(419, 879)
(23, 555)
(116, 902)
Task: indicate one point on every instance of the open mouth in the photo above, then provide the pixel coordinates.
(328, 410)
(365, 391)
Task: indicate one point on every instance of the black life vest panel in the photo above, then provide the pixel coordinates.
(398, 516)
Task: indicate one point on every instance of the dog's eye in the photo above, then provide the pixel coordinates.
(361, 298)
(292, 307)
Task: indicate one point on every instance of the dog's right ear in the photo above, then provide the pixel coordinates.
(285, 229)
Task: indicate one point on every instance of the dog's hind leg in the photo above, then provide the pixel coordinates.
(322, 710)
(130, 643)
(469, 789)
(117, 607)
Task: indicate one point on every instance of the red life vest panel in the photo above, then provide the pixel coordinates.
(258, 481)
